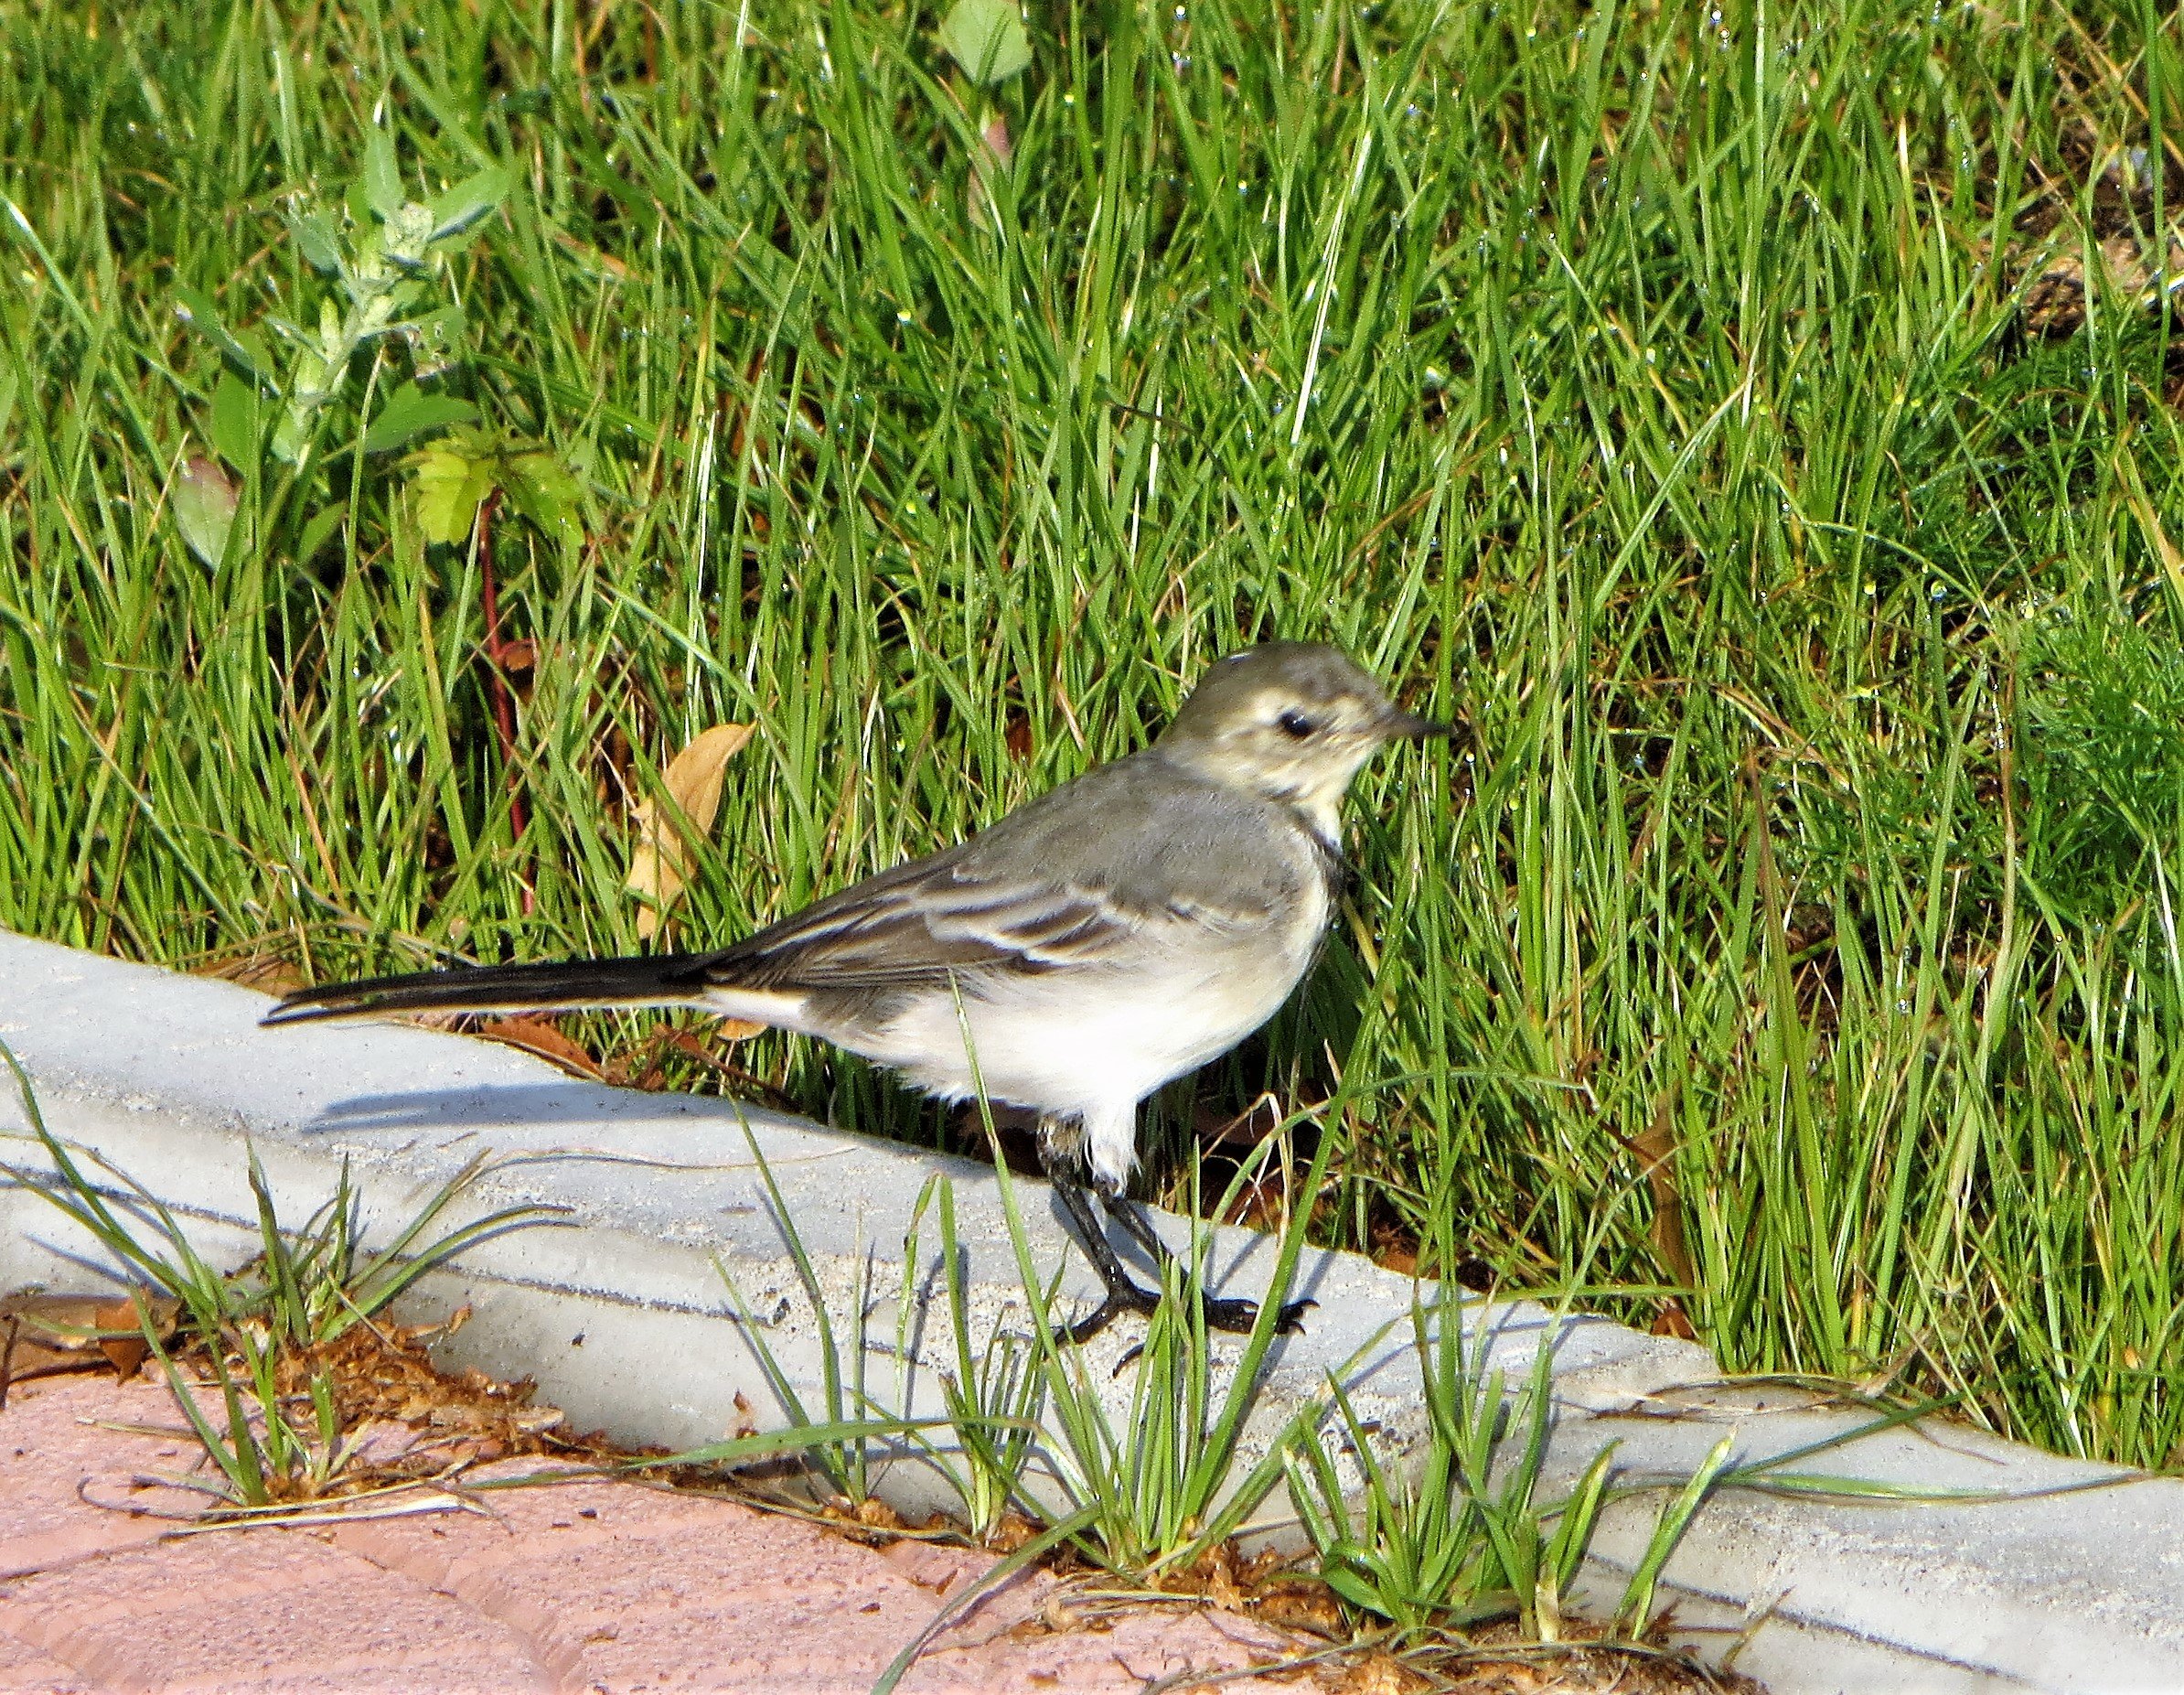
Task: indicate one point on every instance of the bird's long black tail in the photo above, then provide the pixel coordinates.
(644, 979)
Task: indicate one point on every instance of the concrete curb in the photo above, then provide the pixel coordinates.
(620, 1314)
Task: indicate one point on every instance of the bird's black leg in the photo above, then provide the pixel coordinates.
(1221, 1314)
(1059, 1157)
(1123, 1295)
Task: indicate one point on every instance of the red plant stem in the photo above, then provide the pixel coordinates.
(504, 702)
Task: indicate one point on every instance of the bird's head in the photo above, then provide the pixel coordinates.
(1292, 721)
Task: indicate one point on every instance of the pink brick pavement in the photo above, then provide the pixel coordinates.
(584, 1585)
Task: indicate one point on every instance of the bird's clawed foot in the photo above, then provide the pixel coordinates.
(1122, 1299)
(1233, 1315)
(1239, 1316)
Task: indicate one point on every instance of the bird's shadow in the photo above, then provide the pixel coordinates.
(504, 1104)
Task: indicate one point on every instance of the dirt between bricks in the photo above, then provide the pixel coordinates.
(112, 1579)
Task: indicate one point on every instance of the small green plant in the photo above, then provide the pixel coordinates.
(2101, 709)
(385, 252)
(1465, 1536)
(471, 466)
(386, 255)
(994, 1397)
(262, 1326)
(1444, 1545)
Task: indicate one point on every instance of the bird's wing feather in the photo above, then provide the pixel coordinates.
(1069, 881)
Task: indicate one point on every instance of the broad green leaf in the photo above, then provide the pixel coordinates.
(313, 233)
(541, 488)
(449, 483)
(410, 412)
(289, 436)
(436, 339)
(468, 201)
(293, 433)
(986, 38)
(234, 427)
(409, 229)
(383, 176)
(205, 508)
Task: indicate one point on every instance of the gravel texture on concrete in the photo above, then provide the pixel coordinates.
(2040, 1574)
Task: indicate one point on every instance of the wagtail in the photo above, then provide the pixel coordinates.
(1094, 944)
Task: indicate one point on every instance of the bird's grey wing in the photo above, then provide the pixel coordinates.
(1089, 876)
(904, 931)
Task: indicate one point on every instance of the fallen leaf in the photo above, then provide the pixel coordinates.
(41, 1335)
(535, 1035)
(723, 1030)
(1672, 1321)
(121, 1336)
(266, 971)
(1258, 1120)
(661, 861)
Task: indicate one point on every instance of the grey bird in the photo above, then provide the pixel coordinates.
(1092, 945)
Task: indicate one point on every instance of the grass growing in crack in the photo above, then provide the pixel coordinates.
(1453, 1535)
(839, 1444)
(1162, 1484)
(1146, 1493)
(1453, 1543)
(262, 1331)
(995, 1394)
(1467, 1538)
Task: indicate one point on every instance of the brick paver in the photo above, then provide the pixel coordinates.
(582, 1586)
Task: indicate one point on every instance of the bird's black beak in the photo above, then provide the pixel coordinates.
(1400, 725)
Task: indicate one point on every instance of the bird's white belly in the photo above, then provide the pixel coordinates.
(1090, 1043)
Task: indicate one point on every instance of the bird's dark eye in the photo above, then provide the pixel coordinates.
(1297, 725)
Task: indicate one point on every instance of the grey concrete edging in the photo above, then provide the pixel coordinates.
(619, 1313)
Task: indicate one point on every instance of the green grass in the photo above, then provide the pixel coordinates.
(1674, 415)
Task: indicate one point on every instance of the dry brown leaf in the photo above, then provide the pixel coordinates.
(43, 1333)
(661, 862)
(535, 1035)
(266, 971)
